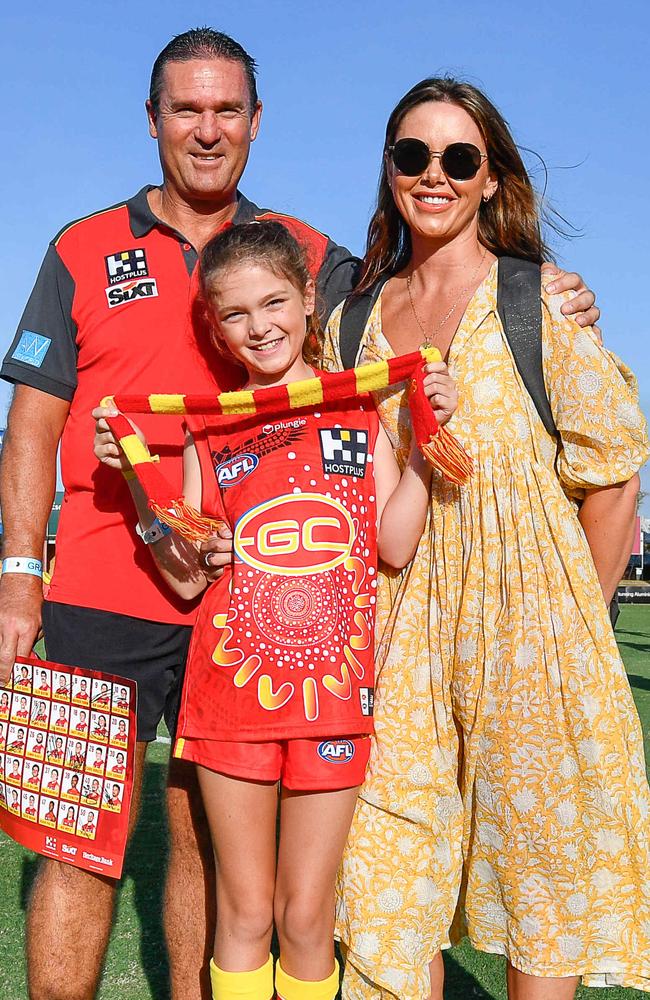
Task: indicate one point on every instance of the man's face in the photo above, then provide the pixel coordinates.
(39, 739)
(77, 748)
(35, 771)
(21, 734)
(59, 743)
(120, 758)
(23, 703)
(55, 775)
(95, 785)
(74, 781)
(61, 712)
(62, 680)
(116, 791)
(15, 766)
(82, 687)
(204, 128)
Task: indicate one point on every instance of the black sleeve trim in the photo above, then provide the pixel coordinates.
(19, 375)
(47, 326)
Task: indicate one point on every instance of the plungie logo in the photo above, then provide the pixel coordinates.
(236, 469)
(336, 751)
(296, 534)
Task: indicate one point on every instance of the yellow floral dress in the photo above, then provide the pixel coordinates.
(507, 769)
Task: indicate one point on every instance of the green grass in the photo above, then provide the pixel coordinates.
(136, 966)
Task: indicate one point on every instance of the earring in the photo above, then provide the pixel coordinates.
(486, 197)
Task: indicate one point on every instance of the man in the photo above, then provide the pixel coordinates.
(82, 697)
(24, 682)
(89, 826)
(119, 767)
(53, 783)
(113, 800)
(121, 735)
(44, 687)
(38, 747)
(17, 745)
(73, 791)
(62, 690)
(34, 779)
(56, 752)
(76, 757)
(50, 816)
(94, 794)
(61, 721)
(114, 310)
(30, 809)
(22, 712)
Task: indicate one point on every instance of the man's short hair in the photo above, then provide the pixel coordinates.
(202, 43)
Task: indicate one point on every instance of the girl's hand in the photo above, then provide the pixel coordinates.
(106, 445)
(441, 391)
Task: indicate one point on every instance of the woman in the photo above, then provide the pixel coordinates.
(507, 768)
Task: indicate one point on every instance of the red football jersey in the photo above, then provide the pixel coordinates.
(283, 644)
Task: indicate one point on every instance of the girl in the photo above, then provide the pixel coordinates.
(279, 681)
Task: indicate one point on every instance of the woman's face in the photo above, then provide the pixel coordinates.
(434, 206)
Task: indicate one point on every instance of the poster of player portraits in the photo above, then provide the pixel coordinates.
(67, 741)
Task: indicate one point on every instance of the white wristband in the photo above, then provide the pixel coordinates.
(154, 533)
(22, 564)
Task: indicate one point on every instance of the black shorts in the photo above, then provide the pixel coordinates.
(151, 653)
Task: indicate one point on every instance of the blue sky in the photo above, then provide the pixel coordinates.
(570, 78)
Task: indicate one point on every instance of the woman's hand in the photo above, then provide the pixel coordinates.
(105, 445)
(440, 389)
(582, 306)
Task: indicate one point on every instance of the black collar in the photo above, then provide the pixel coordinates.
(142, 220)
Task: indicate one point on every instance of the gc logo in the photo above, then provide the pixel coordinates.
(295, 534)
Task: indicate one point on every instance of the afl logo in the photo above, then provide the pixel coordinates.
(236, 469)
(296, 534)
(336, 751)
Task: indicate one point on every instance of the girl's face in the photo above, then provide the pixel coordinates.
(261, 320)
(434, 206)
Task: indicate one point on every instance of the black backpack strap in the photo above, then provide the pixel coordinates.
(354, 316)
(519, 305)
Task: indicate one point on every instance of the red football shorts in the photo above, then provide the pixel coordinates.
(307, 765)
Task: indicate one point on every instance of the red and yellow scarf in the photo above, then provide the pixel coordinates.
(439, 447)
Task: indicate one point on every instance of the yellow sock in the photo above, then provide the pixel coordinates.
(255, 985)
(288, 988)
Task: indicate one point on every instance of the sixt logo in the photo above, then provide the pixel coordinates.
(236, 469)
(145, 288)
(336, 751)
(296, 534)
(68, 849)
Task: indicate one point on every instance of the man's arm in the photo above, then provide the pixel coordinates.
(27, 484)
(607, 517)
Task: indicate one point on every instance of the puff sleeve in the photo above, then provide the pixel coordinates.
(594, 401)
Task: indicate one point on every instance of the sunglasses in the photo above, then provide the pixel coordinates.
(460, 160)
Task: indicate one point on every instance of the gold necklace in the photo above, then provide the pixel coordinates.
(428, 337)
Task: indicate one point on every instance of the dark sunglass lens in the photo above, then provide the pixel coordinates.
(411, 156)
(461, 161)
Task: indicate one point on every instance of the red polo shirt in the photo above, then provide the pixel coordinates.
(113, 310)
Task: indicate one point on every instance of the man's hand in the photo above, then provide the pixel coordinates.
(21, 597)
(582, 306)
(216, 553)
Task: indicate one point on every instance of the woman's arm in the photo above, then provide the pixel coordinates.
(607, 516)
(402, 503)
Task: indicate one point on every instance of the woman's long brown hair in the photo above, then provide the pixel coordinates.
(508, 224)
